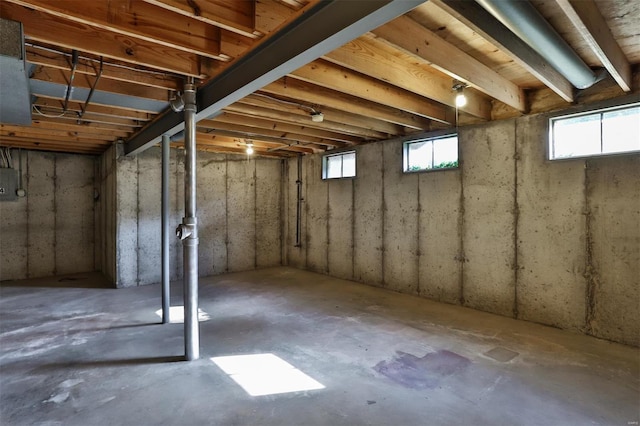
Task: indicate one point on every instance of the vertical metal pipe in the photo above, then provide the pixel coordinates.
(190, 228)
(166, 295)
(299, 203)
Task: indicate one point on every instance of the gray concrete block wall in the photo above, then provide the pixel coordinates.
(149, 197)
(268, 191)
(212, 230)
(510, 232)
(551, 232)
(440, 225)
(41, 253)
(488, 182)
(51, 230)
(340, 228)
(368, 215)
(241, 214)
(400, 224)
(315, 207)
(105, 218)
(238, 218)
(126, 212)
(613, 194)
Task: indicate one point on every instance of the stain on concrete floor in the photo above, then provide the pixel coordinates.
(422, 373)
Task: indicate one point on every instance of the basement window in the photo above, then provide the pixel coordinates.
(341, 165)
(436, 153)
(605, 131)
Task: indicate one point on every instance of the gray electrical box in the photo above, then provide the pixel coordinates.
(8, 184)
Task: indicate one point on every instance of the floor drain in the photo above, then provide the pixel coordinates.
(501, 354)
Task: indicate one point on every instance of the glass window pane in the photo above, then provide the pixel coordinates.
(445, 153)
(334, 166)
(349, 164)
(420, 156)
(621, 130)
(576, 137)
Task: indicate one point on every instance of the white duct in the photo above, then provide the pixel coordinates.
(527, 23)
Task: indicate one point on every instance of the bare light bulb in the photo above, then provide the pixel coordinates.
(249, 149)
(461, 99)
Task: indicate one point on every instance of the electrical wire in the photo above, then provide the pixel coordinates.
(59, 52)
(37, 110)
(299, 105)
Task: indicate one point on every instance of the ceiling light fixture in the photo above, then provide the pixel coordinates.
(317, 116)
(249, 148)
(458, 87)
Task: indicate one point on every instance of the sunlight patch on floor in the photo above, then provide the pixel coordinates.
(265, 374)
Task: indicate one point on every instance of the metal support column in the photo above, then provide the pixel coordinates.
(166, 294)
(188, 230)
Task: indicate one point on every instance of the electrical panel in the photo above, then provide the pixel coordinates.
(8, 184)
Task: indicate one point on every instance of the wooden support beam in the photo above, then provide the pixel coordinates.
(482, 22)
(263, 123)
(57, 104)
(136, 19)
(332, 76)
(238, 151)
(375, 59)
(56, 75)
(406, 34)
(235, 16)
(89, 117)
(260, 144)
(586, 17)
(95, 126)
(43, 145)
(85, 38)
(39, 56)
(330, 114)
(77, 131)
(296, 89)
(261, 140)
(238, 130)
(243, 108)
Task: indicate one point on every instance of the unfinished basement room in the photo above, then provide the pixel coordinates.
(319, 212)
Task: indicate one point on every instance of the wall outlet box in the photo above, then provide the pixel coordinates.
(8, 184)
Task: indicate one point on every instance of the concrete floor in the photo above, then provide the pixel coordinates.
(75, 353)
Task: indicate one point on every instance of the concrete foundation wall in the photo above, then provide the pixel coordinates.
(510, 233)
(51, 230)
(238, 210)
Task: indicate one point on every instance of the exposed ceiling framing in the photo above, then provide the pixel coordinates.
(392, 81)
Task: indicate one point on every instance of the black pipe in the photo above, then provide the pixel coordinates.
(74, 65)
(93, 88)
(299, 203)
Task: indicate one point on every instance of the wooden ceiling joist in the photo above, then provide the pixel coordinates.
(587, 19)
(237, 130)
(91, 67)
(297, 89)
(406, 34)
(75, 107)
(330, 114)
(256, 111)
(262, 123)
(479, 20)
(55, 75)
(368, 57)
(85, 38)
(138, 20)
(334, 77)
